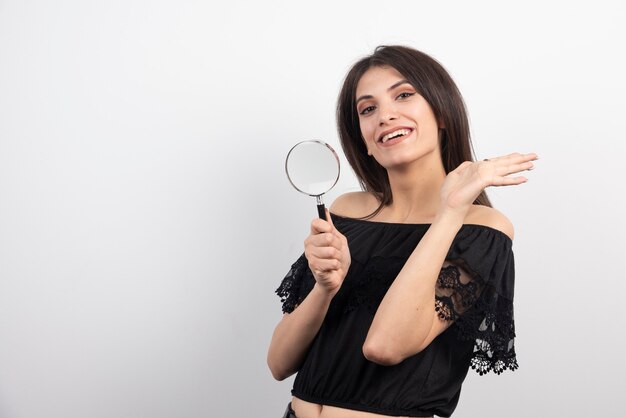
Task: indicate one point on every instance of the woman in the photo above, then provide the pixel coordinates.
(408, 283)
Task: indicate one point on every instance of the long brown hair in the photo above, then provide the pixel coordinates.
(430, 80)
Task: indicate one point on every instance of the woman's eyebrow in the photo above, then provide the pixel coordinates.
(369, 96)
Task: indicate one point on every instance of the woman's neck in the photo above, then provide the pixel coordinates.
(416, 191)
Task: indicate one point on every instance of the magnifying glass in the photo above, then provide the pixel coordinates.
(313, 169)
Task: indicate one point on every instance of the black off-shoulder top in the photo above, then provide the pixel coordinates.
(474, 288)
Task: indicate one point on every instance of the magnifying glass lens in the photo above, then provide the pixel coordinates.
(313, 169)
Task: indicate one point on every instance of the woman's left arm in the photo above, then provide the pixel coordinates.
(406, 321)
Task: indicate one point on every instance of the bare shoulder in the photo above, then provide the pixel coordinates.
(354, 204)
(491, 217)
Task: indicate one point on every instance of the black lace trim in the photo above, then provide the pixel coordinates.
(490, 324)
(296, 285)
(453, 297)
(478, 312)
(493, 330)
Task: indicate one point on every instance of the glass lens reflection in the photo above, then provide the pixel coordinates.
(312, 167)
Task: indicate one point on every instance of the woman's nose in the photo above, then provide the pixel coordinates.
(387, 114)
(386, 118)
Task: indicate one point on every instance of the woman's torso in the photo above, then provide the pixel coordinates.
(318, 385)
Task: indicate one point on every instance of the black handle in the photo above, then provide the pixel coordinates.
(321, 211)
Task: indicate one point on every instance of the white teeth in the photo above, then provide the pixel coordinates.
(399, 132)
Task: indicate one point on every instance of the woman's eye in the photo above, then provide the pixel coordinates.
(405, 95)
(367, 110)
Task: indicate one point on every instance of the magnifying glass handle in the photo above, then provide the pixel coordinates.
(321, 209)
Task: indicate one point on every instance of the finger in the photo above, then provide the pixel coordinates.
(329, 218)
(341, 239)
(325, 253)
(319, 226)
(513, 158)
(503, 170)
(531, 156)
(508, 181)
(325, 265)
(332, 224)
(325, 239)
(517, 157)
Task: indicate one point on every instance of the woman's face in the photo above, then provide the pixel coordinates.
(397, 124)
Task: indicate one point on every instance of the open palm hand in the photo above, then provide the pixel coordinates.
(464, 184)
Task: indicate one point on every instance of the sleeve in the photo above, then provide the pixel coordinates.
(296, 285)
(475, 290)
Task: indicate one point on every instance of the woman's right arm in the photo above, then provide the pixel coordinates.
(326, 250)
(294, 333)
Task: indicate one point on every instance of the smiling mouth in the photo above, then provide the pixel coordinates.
(395, 134)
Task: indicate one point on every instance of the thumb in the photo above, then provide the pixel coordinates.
(329, 219)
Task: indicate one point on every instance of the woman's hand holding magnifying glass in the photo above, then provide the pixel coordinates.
(327, 252)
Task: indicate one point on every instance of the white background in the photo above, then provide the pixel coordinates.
(145, 219)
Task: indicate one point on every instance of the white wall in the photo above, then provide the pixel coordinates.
(145, 219)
